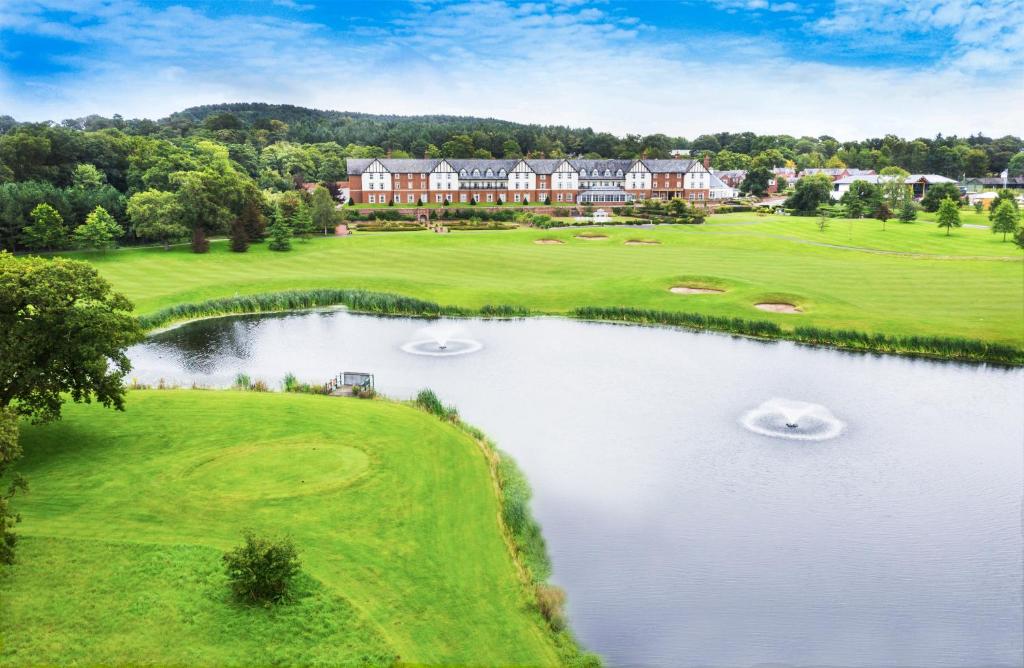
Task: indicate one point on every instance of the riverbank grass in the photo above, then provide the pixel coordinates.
(395, 513)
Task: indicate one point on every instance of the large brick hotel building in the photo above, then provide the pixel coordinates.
(408, 181)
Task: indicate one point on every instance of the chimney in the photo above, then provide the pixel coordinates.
(389, 153)
(707, 161)
(426, 155)
(643, 154)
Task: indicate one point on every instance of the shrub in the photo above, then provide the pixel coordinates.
(261, 570)
(259, 386)
(551, 601)
(243, 381)
(290, 383)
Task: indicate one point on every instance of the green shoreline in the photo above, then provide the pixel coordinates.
(382, 303)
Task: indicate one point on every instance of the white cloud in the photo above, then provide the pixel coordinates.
(985, 35)
(557, 63)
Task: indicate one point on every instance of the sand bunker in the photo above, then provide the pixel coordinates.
(591, 237)
(548, 241)
(642, 242)
(690, 290)
(778, 307)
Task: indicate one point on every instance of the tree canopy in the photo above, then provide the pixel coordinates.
(63, 333)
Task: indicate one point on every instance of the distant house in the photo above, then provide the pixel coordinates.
(834, 173)
(721, 190)
(981, 184)
(986, 198)
(731, 177)
(919, 183)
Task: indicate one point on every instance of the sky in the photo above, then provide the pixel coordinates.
(847, 68)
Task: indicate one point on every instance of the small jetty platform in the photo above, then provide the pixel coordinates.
(348, 383)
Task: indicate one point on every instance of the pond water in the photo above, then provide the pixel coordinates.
(687, 526)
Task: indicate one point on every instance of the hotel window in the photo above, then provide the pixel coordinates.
(568, 198)
(373, 199)
(517, 197)
(700, 195)
(437, 198)
(448, 197)
(462, 197)
(691, 195)
(559, 197)
(490, 197)
(408, 198)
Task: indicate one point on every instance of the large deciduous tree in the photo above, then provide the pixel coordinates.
(810, 193)
(756, 181)
(157, 215)
(63, 334)
(939, 192)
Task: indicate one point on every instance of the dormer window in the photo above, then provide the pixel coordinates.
(476, 172)
(618, 173)
(583, 172)
(490, 172)
(607, 172)
(463, 173)
(501, 172)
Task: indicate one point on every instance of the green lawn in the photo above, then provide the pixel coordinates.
(394, 513)
(909, 279)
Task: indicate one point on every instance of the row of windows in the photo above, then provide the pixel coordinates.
(568, 197)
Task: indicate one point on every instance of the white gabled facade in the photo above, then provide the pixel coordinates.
(522, 177)
(376, 179)
(444, 182)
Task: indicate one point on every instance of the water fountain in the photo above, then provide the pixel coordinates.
(441, 340)
(799, 420)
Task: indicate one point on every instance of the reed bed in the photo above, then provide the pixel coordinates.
(952, 348)
(362, 301)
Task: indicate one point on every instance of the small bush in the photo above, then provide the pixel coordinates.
(261, 570)
(243, 381)
(551, 601)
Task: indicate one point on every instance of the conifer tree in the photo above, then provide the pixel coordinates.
(280, 232)
(239, 236)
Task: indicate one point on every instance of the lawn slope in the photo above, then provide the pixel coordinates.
(906, 280)
(394, 513)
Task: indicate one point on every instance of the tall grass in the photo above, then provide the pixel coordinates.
(357, 300)
(759, 328)
(954, 348)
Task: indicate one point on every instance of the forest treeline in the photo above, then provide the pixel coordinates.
(220, 159)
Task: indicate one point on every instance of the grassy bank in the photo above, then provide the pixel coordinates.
(395, 514)
(909, 280)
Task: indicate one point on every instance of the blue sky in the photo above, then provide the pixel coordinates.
(849, 68)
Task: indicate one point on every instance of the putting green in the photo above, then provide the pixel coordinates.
(286, 468)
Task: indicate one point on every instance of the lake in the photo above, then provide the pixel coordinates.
(682, 537)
